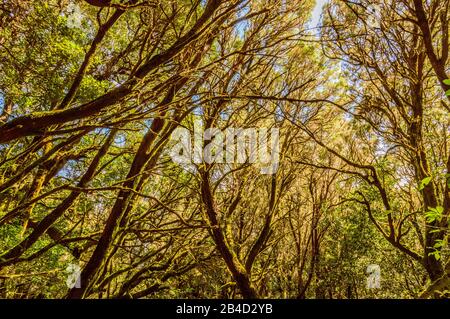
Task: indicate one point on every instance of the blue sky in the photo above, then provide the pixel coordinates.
(317, 12)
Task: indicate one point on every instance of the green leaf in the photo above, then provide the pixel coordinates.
(447, 81)
(436, 254)
(424, 182)
(439, 243)
(434, 213)
(447, 92)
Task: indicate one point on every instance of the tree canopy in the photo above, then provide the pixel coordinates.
(92, 93)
